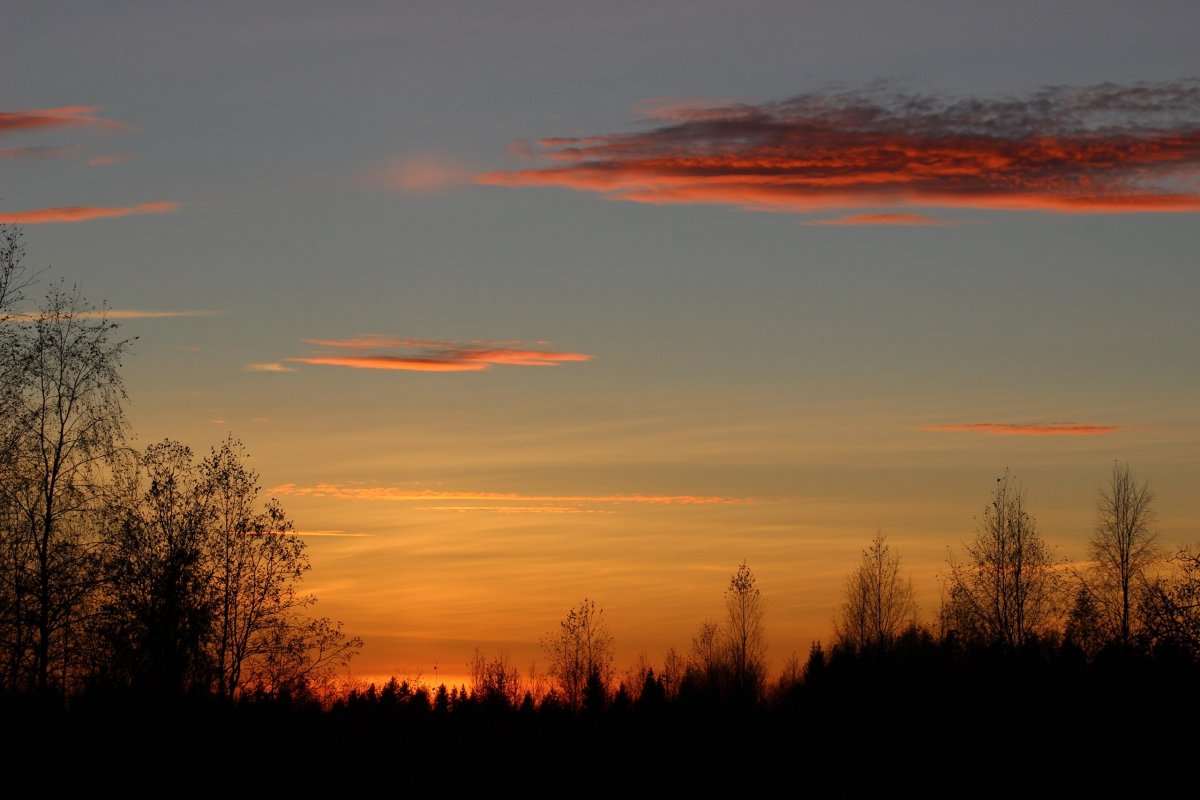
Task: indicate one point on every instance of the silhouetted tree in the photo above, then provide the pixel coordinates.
(494, 681)
(879, 601)
(708, 666)
(580, 654)
(1171, 609)
(1008, 591)
(1123, 545)
(157, 613)
(203, 583)
(62, 432)
(745, 609)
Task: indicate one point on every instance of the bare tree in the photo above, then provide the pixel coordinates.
(745, 609)
(1123, 545)
(62, 432)
(204, 582)
(580, 654)
(495, 680)
(1009, 590)
(1170, 611)
(879, 601)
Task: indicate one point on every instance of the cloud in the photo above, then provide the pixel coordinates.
(106, 160)
(419, 173)
(910, 220)
(331, 533)
(1094, 149)
(272, 367)
(431, 355)
(398, 494)
(63, 116)
(121, 313)
(36, 153)
(1029, 429)
(84, 213)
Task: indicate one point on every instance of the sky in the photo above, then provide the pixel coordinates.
(518, 303)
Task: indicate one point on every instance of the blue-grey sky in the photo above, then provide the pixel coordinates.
(374, 179)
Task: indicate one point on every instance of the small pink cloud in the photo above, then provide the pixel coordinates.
(420, 173)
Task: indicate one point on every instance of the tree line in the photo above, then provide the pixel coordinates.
(154, 571)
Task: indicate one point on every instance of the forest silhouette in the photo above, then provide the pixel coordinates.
(151, 606)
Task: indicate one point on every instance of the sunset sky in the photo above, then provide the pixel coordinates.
(518, 303)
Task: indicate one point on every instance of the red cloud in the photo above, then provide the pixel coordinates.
(1094, 149)
(84, 213)
(1031, 429)
(64, 116)
(435, 355)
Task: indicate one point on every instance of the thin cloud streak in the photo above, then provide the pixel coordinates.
(271, 367)
(435, 355)
(397, 494)
(85, 213)
(36, 153)
(104, 161)
(120, 313)
(1098, 149)
(1030, 429)
(61, 117)
(904, 220)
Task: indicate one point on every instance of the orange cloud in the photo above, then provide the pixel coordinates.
(84, 213)
(1099, 149)
(397, 494)
(63, 116)
(915, 220)
(419, 173)
(1031, 429)
(435, 355)
(268, 368)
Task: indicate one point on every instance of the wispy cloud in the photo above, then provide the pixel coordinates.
(515, 509)
(429, 355)
(419, 173)
(270, 367)
(341, 491)
(121, 313)
(1029, 429)
(36, 153)
(85, 213)
(908, 220)
(107, 160)
(332, 533)
(1105, 148)
(63, 116)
